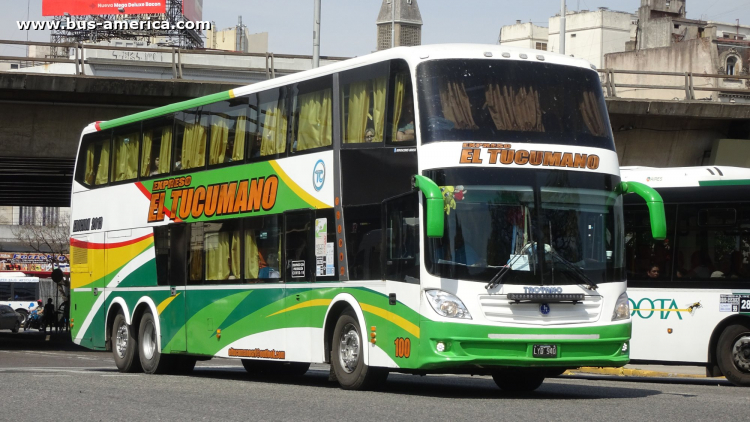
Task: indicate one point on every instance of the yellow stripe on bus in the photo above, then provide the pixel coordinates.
(309, 303)
(296, 188)
(163, 305)
(390, 316)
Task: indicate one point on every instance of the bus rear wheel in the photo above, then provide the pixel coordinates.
(346, 356)
(152, 360)
(733, 354)
(124, 346)
(518, 380)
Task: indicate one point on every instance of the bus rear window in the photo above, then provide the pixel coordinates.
(511, 101)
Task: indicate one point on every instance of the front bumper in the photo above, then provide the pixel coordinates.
(477, 346)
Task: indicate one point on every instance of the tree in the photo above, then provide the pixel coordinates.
(52, 240)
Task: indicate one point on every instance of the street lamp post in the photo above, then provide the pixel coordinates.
(316, 35)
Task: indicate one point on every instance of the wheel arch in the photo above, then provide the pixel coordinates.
(337, 306)
(116, 306)
(712, 368)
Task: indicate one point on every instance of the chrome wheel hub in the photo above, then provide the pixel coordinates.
(741, 352)
(149, 342)
(349, 348)
(121, 340)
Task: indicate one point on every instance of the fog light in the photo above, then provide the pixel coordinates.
(440, 346)
(624, 347)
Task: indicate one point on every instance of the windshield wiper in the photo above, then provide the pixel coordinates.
(579, 272)
(494, 281)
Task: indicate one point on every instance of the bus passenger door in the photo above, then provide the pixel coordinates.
(87, 284)
(171, 244)
(299, 268)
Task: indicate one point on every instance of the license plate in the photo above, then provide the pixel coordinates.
(544, 351)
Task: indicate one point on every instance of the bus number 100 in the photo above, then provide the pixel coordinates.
(403, 347)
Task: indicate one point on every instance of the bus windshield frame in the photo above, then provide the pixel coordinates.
(577, 214)
(511, 101)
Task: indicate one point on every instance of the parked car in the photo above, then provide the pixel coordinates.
(10, 319)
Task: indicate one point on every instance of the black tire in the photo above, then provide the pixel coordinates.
(264, 368)
(16, 327)
(152, 360)
(518, 381)
(124, 346)
(346, 356)
(25, 315)
(733, 354)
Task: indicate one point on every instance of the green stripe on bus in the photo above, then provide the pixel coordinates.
(724, 182)
(172, 108)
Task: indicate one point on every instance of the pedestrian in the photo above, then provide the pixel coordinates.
(48, 317)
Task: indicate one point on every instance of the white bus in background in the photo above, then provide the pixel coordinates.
(19, 292)
(690, 293)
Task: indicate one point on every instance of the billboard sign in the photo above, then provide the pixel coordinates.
(103, 7)
(192, 10)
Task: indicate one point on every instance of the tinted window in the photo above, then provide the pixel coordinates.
(363, 104)
(156, 153)
(273, 120)
(402, 238)
(312, 127)
(229, 131)
(511, 101)
(125, 153)
(5, 291)
(24, 291)
(191, 133)
(298, 238)
(262, 249)
(647, 258)
(93, 160)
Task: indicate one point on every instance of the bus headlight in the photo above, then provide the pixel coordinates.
(446, 304)
(622, 308)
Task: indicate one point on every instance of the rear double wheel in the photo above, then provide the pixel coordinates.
(733, 353)
(347, 358)
(124, 345)
(152, 360)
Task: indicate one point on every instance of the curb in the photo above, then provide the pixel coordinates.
(625, 372)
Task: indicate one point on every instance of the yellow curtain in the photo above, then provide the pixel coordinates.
(126, 157)
(238, 152)
(194, 146)
(514, 109)
(274, 130)
(359, 107)
(146, 154)
(219, 140)
(102, 172)
(89, 177)
(456, 105)
(165, 151)
(217, 255)
(591, 116)
(196, 264)
(398, 102)
(252, 265)
(234, 264)
(378, 110)
(315, 120)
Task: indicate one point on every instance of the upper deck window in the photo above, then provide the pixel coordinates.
(511, 101)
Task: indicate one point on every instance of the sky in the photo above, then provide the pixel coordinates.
(348, 26)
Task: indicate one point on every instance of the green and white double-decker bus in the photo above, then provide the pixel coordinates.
(437, 209)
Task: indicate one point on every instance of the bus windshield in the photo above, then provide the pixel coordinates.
(511, 101)
(496, 218)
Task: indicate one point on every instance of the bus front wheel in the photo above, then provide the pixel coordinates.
(733, 353)
(346, 356)
(517, 380)
(124, 346)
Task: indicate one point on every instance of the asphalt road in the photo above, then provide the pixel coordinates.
(54, 381)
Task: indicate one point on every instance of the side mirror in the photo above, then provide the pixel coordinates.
(655, 206)
(433, 203)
